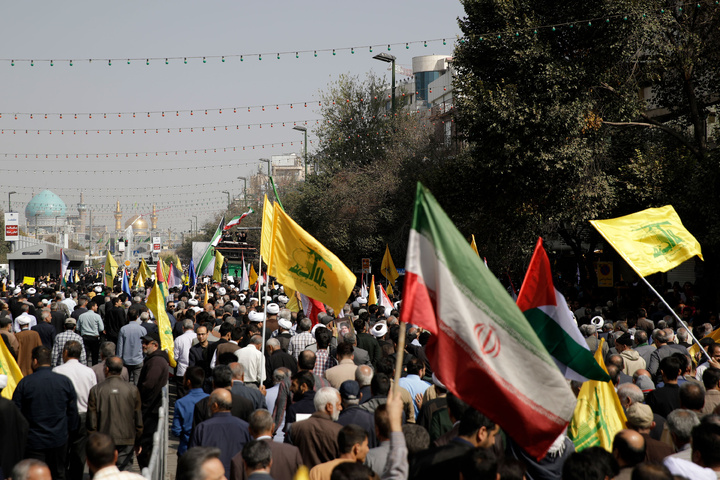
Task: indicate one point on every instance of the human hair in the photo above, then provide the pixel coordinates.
(304, 377)
(324, 396)
(43, 355)
(345, 350)
(352, 471)
(692, 396)
(100, 450)
(280, 374)
(631, 391)
(73, 348)
(222, 376)
(680, 422)
(380, 384)
(255, 340)
(306, 360)
(196, 376)
(363, 375)
(322, 337)
(386, 365)
(21, 470)
(593, 462)
(382, 421)
(188, 324)
(660, 336)
(349, 436)
(257, 454)
(651, 471)
(706, 441)
(237, 369)
(260, 421)
(472, 421)
(587, 330)
(107, 349)
(114, 365)
(682, 334)
(711, 377)
(304, 325)
(415, 366)
(190, 465)
(479, 464)
(218, 398)
(273, 343)
(630, 454)
(226, 328)
(5, 321)
(144, 316)
(359, 325)
(350, 338)
(456, 406)
(670, 367)
(640, 337)
(616, 360)
(132, 314)
(417, 438)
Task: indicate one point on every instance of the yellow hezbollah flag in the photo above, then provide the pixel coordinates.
(144, 273)
(217, 271)
(111, 267)
(387, 268)
(473, 245)
(266, 231)
(372, 292)
(695, 349)
(293, 305)
(156, 303)
(9, 367)
(650, 241)
(389, 290)
(304, 264)
(253, 276)
(598, 414)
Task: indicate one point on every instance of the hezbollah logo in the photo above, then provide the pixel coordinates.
(665, 241)
(309, 265)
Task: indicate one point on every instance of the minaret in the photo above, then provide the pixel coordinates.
(118, 217)
(82, 214)
(154, 218)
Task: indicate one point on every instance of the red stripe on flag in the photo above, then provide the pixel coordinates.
(419, 310)
(537, 289)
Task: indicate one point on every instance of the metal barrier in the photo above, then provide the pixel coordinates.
(157, 466)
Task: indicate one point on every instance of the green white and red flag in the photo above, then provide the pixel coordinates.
(482, 348)
(237, 220)
(548, 313)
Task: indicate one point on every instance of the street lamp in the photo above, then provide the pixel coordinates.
(228, 194)
(9, 204)
(191, 225)
(244, 190)
(196, 228)
(387, 58)
(304, 130)
(266, 160)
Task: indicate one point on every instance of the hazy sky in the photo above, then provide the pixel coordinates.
(99, 30)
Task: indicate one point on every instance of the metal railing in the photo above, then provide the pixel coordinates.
(158, 463)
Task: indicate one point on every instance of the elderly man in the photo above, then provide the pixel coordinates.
(680, 423)
(665, 348)
(252, 360)
(629, 450)
(316, 437)
(640, 419)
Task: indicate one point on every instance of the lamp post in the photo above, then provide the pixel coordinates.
(267, 160)
(228, 194)
(304, 130)
(196, 228)
(387, 58)
(191, 225)
(244, 190)
(9, 204)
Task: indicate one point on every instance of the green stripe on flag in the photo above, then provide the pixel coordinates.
(470, 275)
(563, 347)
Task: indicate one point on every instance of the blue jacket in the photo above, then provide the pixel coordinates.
(183, 418)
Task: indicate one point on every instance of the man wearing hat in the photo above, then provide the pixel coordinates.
(631, 359)
(271, 324)
(352, 413)
(25, 314)
(284, 333)
(640, 419)
(153, 377)
(27, 341)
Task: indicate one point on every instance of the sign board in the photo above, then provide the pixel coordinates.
(366, 265)
(121, 245)
(127, 263)
(12, 227)
(604, 271)
(157, 245)
(28, 280)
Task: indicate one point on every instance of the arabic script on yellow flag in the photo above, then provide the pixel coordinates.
(304, 264)
(651, 241)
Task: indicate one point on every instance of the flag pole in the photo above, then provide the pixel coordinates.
(399, 357)
(676, 317)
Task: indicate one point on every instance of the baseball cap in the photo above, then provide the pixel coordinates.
(349, 390)
(151, 337)
(639, 415)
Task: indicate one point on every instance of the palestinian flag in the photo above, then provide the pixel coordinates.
(482, 348)
(546, 310)
(237, 220)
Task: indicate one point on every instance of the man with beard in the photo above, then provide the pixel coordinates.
(316, 437)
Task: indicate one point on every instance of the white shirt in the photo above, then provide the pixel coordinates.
(182, 351)
(70, 304)
(253, 361)
(83, 379)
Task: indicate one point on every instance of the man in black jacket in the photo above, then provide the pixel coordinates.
(153, 377)
(115, 319)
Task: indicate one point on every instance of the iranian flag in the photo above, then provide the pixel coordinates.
(236, 220)
(548, 313)
(482, 348)
(384, 299)
(311, 308)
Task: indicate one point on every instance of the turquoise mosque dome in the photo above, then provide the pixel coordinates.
(45, 204)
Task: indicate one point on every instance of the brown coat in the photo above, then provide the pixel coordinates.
(316, 438)
(27, 340)
(286, 459)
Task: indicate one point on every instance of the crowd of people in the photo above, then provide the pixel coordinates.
(263, 391)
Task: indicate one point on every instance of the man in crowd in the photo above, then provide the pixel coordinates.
(316, 437)
(62, 338)
(153, 377)
(129, 346)
(184, 407)
(102, 457)
(353, 447)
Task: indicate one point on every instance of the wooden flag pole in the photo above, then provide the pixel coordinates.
(677, 318)
(399, 354)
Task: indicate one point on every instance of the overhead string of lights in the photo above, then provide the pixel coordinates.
(84, 188)
(67, 171)
(175, 112)
(297, 54)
